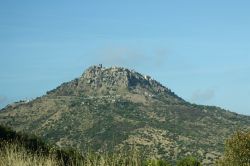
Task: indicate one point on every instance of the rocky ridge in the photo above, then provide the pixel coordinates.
(101, 81)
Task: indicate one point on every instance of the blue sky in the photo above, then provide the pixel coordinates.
(198, 49)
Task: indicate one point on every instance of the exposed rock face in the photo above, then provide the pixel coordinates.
(98, 80)
(98, 76)
(119, 77)
(109, 108)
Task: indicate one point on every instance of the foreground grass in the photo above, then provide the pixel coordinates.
(18, 149)
(17, 155)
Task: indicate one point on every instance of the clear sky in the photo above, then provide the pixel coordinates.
(198, 49)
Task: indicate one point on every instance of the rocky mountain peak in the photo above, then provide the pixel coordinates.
(119, 77)
(98, 81)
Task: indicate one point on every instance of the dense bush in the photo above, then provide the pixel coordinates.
(35, 145)
(188, 161)
(237, 150)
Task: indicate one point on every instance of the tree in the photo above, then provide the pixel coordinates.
(237, 150)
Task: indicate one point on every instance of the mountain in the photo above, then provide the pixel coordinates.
(113, 108)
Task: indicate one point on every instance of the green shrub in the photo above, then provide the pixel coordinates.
(35, 145)
(237, 150)
(188, 161)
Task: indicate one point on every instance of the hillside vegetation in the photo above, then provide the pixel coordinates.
(109, 109)
(18, 149)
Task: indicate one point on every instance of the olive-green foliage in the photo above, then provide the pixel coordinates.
(37, 146)
(17, 155)
(237, 150)
(156, 163)
(21, 149)
(14, 154)
(188, 161)
(30, 142)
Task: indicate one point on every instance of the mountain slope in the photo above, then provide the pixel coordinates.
(109, 108)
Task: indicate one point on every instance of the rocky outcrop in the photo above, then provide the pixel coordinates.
(101, 81)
